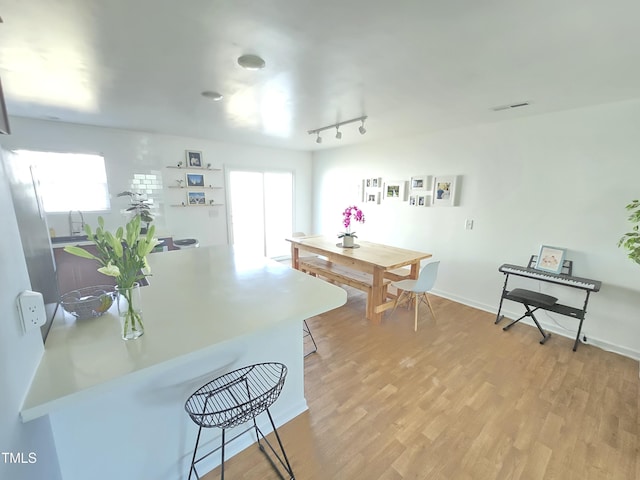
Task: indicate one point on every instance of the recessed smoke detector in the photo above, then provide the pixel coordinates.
(251, 62)
(215, 96)
(507, 107)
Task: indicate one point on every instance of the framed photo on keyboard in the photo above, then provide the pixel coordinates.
(550, 259)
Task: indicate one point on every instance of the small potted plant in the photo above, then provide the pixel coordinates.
(348, 237)
(140, 207)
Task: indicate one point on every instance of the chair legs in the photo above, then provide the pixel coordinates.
(398, 298)
(413, 297)
(307, 333)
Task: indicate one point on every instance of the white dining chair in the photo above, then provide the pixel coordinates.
(418, 288)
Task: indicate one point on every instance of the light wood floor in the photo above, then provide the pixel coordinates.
(460, 399)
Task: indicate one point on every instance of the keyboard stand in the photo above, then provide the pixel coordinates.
(539, 301)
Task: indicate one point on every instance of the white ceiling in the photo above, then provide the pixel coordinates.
(409, 65)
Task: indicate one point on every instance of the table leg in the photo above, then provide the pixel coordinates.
(415, 270)
(295, 257)
(378, 295)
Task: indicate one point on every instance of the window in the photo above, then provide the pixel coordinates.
(70, 181)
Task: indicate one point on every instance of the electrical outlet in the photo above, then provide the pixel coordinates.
(32, 311)
(468, 224)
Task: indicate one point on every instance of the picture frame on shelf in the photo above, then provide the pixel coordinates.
(444, 191)
(418, 183)
(193, 158)
(195, 180)
(394, 190)
(550, 259)
(196, 198)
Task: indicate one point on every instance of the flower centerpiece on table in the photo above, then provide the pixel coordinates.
(122, 255)
(350, 214)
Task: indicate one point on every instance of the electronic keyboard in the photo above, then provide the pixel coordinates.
(561, 279)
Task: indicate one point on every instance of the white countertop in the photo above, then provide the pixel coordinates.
(197, 300)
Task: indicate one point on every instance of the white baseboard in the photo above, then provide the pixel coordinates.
(546, 325)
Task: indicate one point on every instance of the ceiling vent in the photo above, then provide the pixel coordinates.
(508, 107)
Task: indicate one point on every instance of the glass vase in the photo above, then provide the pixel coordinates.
(130, 311)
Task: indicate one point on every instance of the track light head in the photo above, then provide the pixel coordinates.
(338, 133)
(361, 128)
(319, 138)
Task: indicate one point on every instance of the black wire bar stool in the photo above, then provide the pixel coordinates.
(233, 399)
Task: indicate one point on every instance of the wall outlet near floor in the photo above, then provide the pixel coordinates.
(468, 224)
(32, 311)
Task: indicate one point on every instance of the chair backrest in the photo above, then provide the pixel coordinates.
(427, 277)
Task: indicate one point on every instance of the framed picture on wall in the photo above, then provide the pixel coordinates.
(418, 183)
(372, 197)
(422, 201)
(196, 198)
(550, 259)
(444, 191)
(194, 158)
(394, 190)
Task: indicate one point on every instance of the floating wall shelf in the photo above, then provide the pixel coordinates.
(195, 188)
(195, 168)
(208, 205)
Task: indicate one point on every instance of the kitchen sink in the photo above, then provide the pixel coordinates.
(70, 239)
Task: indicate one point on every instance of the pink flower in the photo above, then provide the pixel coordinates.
(350, 213)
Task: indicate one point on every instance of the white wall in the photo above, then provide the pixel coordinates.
(561, 179)
(19, 357)
(128, 153)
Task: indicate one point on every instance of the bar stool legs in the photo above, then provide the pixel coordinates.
(307, 333)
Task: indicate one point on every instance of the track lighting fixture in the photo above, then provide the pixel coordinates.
(316, 131)
(361, 128)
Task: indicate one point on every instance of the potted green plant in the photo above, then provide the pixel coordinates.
(139, 206)
(631, 240)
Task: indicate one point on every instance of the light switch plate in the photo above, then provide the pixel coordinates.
(32, 311)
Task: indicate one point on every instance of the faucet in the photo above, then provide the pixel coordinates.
(74, 225)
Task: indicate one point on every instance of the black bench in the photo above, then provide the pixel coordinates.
(529, 299)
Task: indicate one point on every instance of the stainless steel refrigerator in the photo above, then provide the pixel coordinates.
(34, 231)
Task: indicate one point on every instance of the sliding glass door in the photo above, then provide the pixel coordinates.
(261, 206)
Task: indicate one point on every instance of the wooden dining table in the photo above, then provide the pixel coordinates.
(379, 260)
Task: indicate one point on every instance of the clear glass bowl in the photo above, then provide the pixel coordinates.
(88, 302)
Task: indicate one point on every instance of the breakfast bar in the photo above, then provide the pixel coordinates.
(117, 407)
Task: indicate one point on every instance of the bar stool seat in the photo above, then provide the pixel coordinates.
(236, 398)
